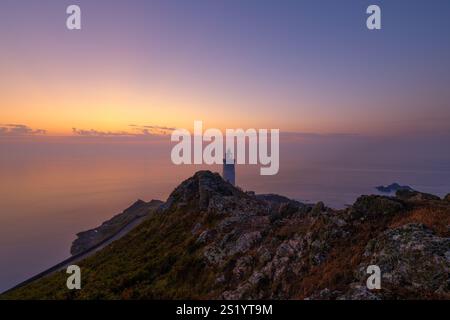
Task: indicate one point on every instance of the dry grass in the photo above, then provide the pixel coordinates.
(437, 219)
(345, 256)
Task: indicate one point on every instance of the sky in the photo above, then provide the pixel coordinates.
(300, 66)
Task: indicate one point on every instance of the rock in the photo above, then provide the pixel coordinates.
(318, 251)
(280, 206)
(325, 294)
(214, 255)
(275, 216)
(262, 246)
(415, 195)
(228, 224)
(89, 239)
(243, 266)
(359, 292)
(288, 208)
(264, 255)
(206, 236)
(196, 228)
(338, 221)
(220, 279)
(245, 242)
(290, 248)
(375, 206)
(318, 208)
(216, 242)
(447, 197)
(238, 294)
(394, 187)
(197, 191)
(273, 200)
(256, 278)
(410, 257)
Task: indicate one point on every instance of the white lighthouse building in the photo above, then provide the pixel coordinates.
(228, 173)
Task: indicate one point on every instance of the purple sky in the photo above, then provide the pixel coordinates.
(305, 66)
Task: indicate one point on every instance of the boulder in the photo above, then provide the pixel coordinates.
(415, 195)
(374, 206)
(410, 257)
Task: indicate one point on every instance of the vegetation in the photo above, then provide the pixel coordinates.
(212, 241)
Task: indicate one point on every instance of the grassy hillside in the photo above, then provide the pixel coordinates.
(211, 240)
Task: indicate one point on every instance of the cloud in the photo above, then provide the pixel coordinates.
(313, 135)
(97, 133)
(136, 131)
(150, 129)
(320, 135)
(19, 130)
(153, 130)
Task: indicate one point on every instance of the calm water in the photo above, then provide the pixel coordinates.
(53, 188)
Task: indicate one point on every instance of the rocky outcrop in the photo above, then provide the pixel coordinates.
(211, 240)
(393, 187)
(415, 195)
(411, 258)
(89, 239)
(375, 206)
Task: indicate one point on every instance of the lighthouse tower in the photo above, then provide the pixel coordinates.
(228, 168)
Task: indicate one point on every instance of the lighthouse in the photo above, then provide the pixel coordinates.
(228, 173)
